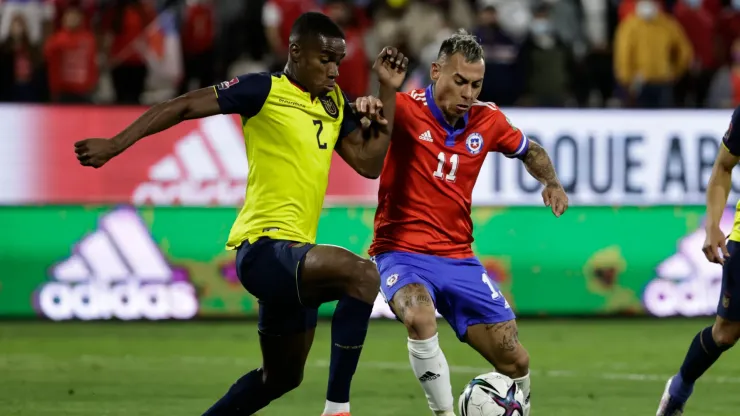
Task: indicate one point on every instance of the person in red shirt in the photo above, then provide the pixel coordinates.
(20, 62)
(123, 26)
(277, 18)
(71, 59)
(423, 230)
(355, 74)
(700, 26)
(197, 37)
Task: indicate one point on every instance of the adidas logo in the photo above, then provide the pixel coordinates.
(117, 272)
(208, 167)
(426, 136)
(428, 376)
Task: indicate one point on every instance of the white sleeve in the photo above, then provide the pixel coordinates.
(271, 15)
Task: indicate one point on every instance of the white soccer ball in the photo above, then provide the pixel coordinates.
(491, 394)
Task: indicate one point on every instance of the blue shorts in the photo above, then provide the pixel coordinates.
(460, 288)
(729, 302)
(270, 270)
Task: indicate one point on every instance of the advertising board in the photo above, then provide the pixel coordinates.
(614, 157)
(104, 262)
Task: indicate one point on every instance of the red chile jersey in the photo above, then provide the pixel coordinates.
(426, 185)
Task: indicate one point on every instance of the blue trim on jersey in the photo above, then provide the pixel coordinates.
(452, 133)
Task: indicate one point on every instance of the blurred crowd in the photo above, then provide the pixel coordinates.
(540, 53)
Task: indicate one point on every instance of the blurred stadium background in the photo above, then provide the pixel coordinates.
(631, 107)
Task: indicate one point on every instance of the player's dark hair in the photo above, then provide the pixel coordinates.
(463, 43)
(312, 25)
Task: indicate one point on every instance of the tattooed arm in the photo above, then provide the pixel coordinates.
(540, 166)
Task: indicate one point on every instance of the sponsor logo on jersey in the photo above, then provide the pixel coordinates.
(117, 272)
(329, 106)
(474, 143)
(426, 136)
(207, 167)
(228, 84)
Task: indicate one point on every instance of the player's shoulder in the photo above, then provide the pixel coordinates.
(416, 98)
(484, 111)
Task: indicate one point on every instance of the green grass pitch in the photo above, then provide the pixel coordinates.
(579, 368)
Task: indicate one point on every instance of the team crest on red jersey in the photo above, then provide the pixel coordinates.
(474, 143)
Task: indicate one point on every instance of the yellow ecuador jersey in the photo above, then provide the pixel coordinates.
(731, 142)
(289, 139)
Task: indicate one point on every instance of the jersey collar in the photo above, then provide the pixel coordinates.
(451, 131)
(296, 83)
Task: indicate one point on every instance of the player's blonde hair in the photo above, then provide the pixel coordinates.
(461, 42)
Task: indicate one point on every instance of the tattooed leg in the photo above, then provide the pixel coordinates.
(414, 306)
(499, 344)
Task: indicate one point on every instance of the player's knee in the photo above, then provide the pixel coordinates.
(365, 283)
(277, 383)
(420, 322)
(514, 364)
(726, 333)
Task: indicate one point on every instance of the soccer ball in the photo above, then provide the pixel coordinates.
(491, 394)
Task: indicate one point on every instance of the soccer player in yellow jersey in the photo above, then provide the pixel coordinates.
(292, 122)
(712, 341)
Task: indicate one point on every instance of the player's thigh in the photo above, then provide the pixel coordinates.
(470, 297)
(268, 269)
(405, 284)
(413, 305)
(328, 272)
(284, 358)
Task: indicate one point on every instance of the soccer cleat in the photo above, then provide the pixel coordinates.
(669, 406)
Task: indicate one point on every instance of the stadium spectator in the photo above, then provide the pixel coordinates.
(20, 62)
(700, 26)
(503, 81)
(71, 58)
(599, 74)
(38, 15)
(547, 62)
(123, 27)
(354, 74)
(277, 18)
(651, 53)
(729, 29)
(198, 36)
(628, 8)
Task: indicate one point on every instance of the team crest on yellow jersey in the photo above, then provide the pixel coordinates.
(329, 106)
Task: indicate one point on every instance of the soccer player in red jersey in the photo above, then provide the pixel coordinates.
(423, 230)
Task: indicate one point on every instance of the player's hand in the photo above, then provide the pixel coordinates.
(95, 152)
(714, 246)
(554, 197)
(391, 67)
(370, 107)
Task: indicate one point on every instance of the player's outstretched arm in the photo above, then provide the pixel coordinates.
(196, 104)
(539, 165)
(366, 153)
(718, 190)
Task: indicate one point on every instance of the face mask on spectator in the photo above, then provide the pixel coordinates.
(694, 4)
(540, 26)
(646, 9)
